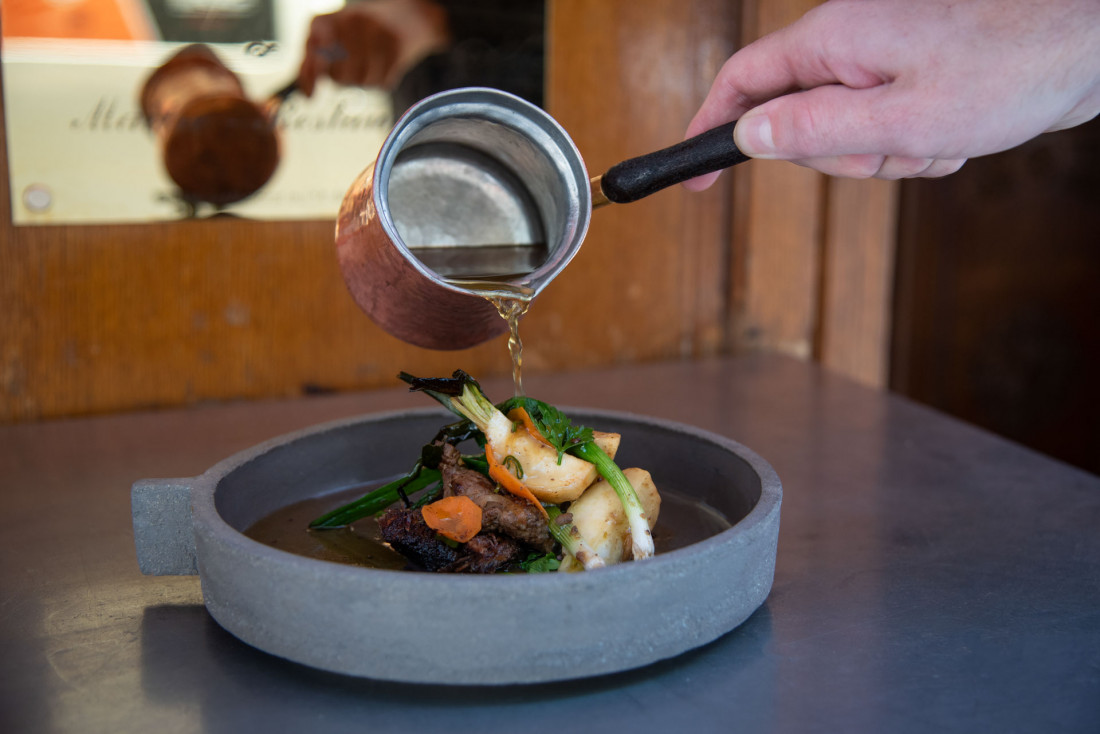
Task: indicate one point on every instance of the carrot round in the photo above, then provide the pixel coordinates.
(506, 479)
(457, 517)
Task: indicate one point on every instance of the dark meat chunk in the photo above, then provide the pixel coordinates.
(508, 524)
(500, 513)
(486, 553)
(408, 534)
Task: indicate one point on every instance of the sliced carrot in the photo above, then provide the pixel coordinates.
(524, 417)
(506, 479)
(457, 517)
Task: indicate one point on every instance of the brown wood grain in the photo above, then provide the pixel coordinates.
(110, 318)
(997, 297)
(121, 317)
(857, 279)
(813, 256)
(778, 214)
(656, 268)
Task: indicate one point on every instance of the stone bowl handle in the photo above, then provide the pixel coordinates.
(163, 529)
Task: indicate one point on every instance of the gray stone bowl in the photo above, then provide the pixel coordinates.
(436, 628)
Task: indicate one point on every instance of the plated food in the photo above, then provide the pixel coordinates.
(538, 494)
(716, 542)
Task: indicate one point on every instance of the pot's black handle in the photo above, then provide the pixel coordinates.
(639, 177)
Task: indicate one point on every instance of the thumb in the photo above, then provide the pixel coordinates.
(825, 121)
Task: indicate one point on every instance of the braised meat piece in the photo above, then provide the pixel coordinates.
(406, 531)
(508, 525)
(408, 534)
(500, 513)
(486, 553)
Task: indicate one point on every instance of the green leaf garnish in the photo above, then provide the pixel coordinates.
(536, 563)
(554, 425)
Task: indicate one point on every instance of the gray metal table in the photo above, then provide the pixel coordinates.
(930, 577)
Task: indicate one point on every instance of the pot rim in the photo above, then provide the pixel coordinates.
(496, 106)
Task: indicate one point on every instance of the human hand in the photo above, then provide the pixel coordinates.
(895, 88)
(372, 43)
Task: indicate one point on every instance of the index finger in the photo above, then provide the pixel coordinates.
(795, 57)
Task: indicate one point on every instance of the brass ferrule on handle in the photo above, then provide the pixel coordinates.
(598, 197)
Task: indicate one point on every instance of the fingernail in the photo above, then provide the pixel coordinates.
(753, 135)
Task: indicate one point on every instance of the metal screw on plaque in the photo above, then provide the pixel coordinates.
(37, 198)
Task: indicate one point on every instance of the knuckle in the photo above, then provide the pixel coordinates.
(799, 133)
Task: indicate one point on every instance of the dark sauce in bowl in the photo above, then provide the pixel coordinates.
(681, 522)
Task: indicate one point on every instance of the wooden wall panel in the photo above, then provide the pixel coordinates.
(117, 318)
(813, 256)
(857, 279)
(109, 318)
(997, 298)
(777, 224)
(650, 281)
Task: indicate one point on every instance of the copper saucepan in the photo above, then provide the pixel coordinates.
(477, 184)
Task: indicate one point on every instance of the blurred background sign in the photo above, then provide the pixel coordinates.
(80, 150)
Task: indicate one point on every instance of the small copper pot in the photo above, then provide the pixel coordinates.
(476, 184)
(216, 144)
(471, 183)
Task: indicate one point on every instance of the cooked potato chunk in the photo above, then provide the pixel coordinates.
(545, 477)
(599, 517)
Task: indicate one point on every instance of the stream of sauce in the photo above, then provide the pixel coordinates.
(683, 519)
(511, 302)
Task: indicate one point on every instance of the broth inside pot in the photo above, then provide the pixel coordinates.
(684, 520)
